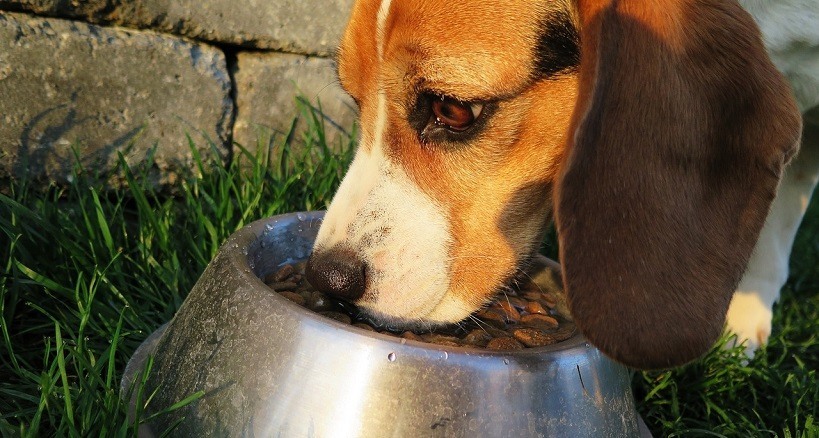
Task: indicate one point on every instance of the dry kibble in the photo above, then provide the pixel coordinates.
(434, 338)
(478, 337)
(294, 297)
(516, 302)
(563, 333)
(532, 295)
(492, 317)
(504, 343)
(531, 337)
(283, 286)
(496, 332)
(411, 336)
(509, 312)
(284, 273)
(533, 307)
(517, 320)
(539, 321)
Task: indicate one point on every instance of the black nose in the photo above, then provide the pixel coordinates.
(338, 271)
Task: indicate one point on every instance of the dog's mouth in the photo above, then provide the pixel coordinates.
(528, 310)
(418, 311)
(384, 322)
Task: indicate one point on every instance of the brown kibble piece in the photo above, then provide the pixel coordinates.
(411, 336)
(504, 343)
(509, 312)
(533, 337)
(449, 341)
(517, 303)
(492, 317)
(478, 338)
(294, 297)
(533, 307)
(338, 316)
(533, 295)
(283, 273)
(496, 332)
(539, 321)
(566, 331)
(283, 285)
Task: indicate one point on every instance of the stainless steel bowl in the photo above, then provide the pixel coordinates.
(271, 368)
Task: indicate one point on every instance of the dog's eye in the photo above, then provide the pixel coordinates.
(453, 114)
(443, 120)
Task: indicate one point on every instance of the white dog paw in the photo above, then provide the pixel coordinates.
(749, 317)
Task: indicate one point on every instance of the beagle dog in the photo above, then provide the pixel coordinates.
(654, 133)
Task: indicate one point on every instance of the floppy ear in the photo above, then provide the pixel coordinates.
(674, 154)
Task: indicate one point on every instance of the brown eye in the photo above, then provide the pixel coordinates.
(454, 114)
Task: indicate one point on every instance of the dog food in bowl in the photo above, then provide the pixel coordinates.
(523, 318)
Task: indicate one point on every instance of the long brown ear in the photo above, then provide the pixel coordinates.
(676, 147)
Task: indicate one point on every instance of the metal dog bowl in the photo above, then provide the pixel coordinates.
(271, 368)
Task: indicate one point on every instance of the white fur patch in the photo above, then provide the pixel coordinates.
(381, 26)
(398, 231)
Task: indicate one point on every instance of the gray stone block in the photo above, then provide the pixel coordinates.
(67, 85)
(311, 27)
(267, 86)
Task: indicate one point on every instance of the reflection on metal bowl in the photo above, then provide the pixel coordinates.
(269, 367)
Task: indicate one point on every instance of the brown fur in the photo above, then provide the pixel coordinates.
(447, 57)
(664, 152)
(681, 133)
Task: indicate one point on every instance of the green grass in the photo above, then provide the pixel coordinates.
(87, 274)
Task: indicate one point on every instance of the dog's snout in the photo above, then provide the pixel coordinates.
(339, 272)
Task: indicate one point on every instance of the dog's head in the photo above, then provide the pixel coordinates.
(656, 130)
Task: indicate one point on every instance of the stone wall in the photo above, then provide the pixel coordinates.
(137, 77)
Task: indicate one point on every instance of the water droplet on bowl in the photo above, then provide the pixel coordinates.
(391, 357)
(506, 361)
(301, 216)
(446, 355)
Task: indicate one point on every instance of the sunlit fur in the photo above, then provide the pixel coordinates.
(660, 153)
(443, 226)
